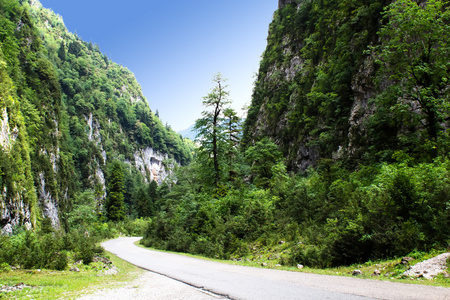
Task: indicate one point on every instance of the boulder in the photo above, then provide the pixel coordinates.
(429, 268)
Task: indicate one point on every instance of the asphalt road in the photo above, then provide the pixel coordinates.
(238, 282)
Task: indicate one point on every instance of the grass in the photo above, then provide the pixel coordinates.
(49, 284)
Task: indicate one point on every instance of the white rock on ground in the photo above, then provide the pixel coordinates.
(152, 286)
(429, 268)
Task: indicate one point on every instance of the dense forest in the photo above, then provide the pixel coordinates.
(342, 158)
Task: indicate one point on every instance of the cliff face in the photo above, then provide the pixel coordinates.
(314, 82)
(17, 192)
(66, 113)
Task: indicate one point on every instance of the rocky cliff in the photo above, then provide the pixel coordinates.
(17, 192)
(315, 80)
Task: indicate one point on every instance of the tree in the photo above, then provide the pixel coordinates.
(115, 206)
(145, 198)
(233, 126)
(233, 129)
(83, 212)
(209, 128)
(414, 57)
(62, 52)
(262, 157)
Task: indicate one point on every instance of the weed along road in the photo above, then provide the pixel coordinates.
(238, 282)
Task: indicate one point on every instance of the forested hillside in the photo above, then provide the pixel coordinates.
(343, 157)
(67, 113)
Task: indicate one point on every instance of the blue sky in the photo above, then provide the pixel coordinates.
(175, 47)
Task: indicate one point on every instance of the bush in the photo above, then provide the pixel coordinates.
(48, 251)
(4, 267)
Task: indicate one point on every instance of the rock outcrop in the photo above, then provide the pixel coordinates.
(429, 268)
(151, 164)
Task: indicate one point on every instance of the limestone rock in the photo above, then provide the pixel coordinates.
(429, 268)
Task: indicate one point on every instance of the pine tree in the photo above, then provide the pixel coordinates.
(232, 124)
(115, 206)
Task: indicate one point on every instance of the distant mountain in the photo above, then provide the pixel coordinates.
(189, 133)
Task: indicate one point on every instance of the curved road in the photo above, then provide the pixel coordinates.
(238, 282)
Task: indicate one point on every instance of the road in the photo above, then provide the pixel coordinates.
(239, 282)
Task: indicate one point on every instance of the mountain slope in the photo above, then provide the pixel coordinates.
(80, 112)
(324, 90)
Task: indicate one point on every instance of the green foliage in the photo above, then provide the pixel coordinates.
(329, 217)
(210, 133)
(316, 77)
(46, 226)
(145, 199)
(115, 203)
(305, 87)
(28, 250)
(4, 267)
(83, 213)
(262, 157)
(78, 116)
(70, 113)
(16, 179)
(414, 59)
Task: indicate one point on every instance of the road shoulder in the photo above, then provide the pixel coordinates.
(151, 286)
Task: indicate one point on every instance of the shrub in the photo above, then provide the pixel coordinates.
(4, 267)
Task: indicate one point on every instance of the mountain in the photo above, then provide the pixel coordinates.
(67, 112)
(189, 133)
(328, 86)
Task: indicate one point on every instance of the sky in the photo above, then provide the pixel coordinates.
(175, 47)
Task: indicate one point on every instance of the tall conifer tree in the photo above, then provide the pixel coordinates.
(115, 206)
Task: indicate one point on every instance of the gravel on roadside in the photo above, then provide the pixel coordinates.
(152, 286)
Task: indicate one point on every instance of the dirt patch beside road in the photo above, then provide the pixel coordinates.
(151, 286)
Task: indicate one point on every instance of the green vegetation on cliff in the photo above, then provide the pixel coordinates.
(67, 113)
(354, 81)
(354, 95)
